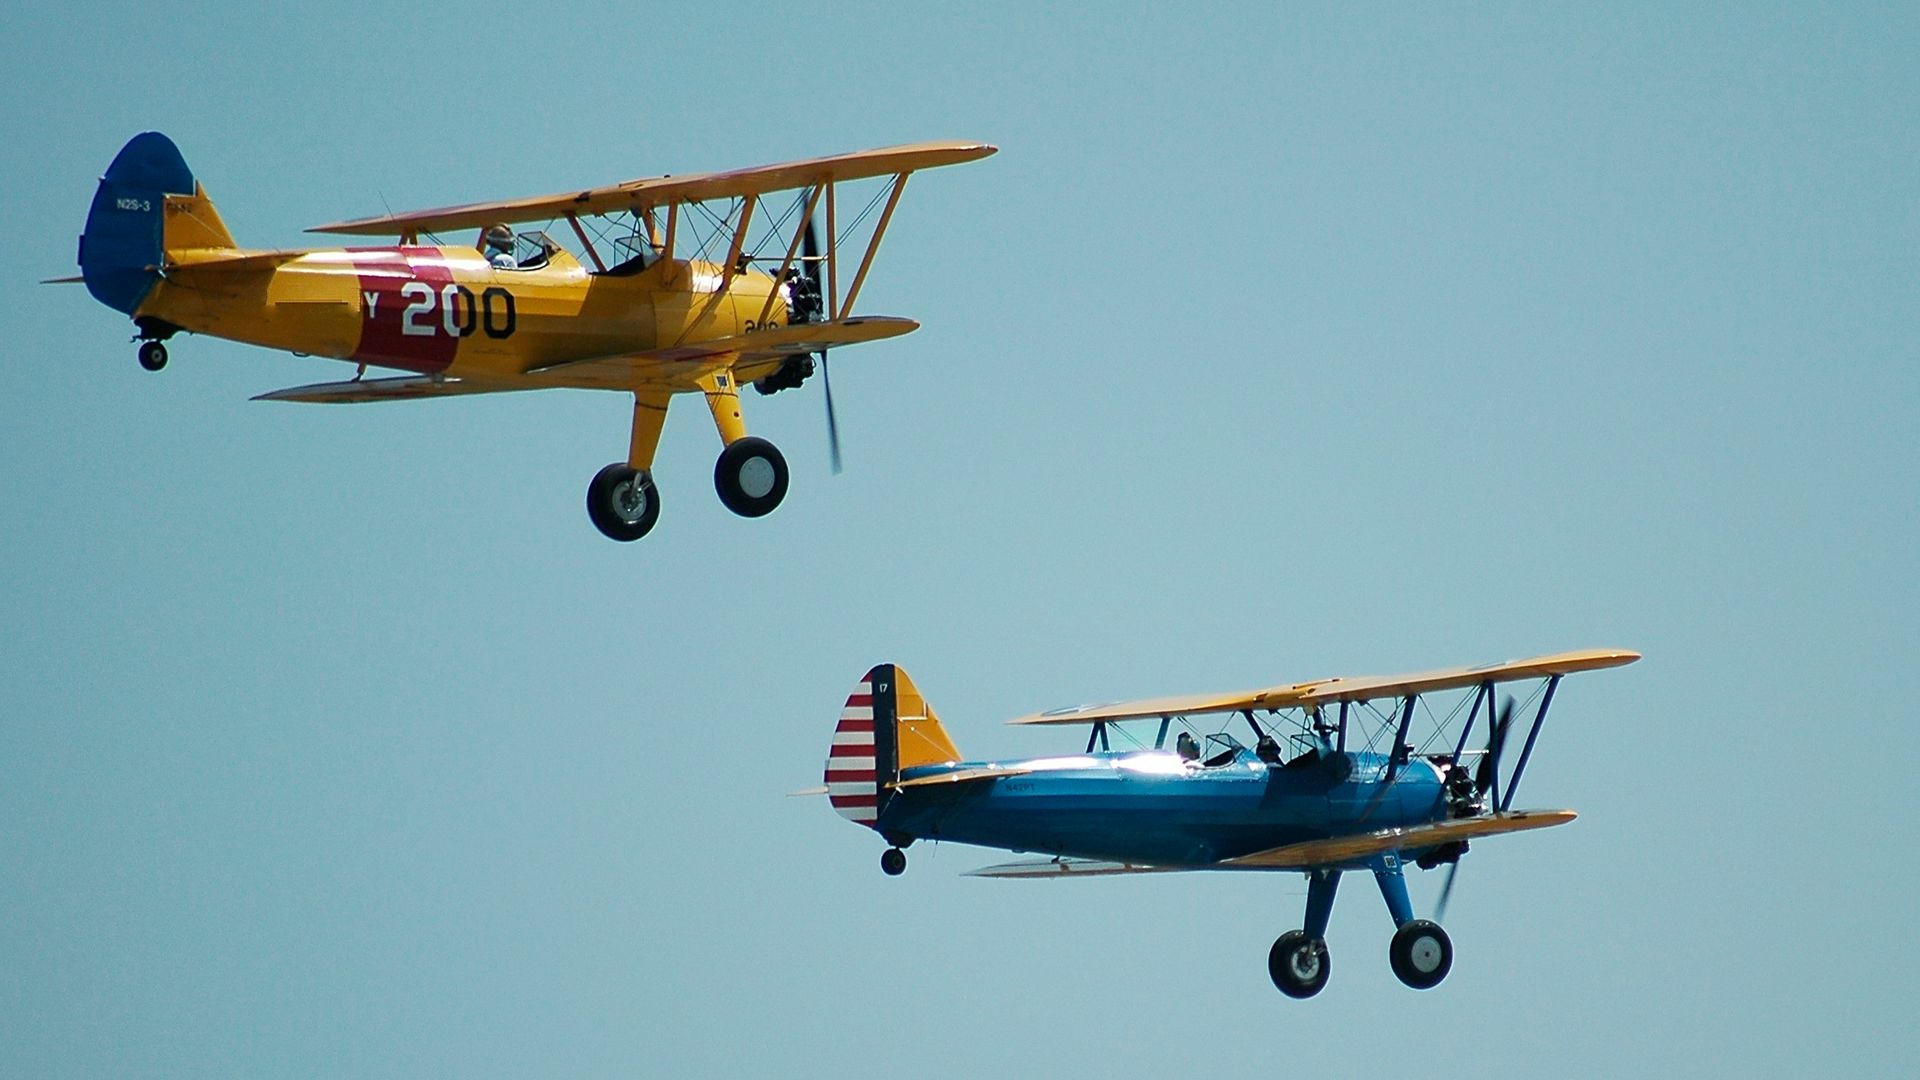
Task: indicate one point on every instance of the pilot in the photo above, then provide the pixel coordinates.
(500, 247)
(1187, 748)
(1267, 749)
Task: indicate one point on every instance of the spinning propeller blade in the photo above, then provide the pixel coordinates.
(833, 422)
(1446, 892)
(810, 252)
(1483, 781)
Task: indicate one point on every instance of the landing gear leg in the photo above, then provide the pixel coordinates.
(1299, 963)
(621, 501)
(1421, 953)
(751, 475)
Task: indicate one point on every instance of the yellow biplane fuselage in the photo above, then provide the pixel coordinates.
(447, 311)
(460, 322)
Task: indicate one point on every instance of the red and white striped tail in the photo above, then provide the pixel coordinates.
(852, 784)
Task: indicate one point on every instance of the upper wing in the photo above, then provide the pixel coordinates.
(405, 388)
(1342, 849)
(664, 190)
(1361, 688)
(638, 368)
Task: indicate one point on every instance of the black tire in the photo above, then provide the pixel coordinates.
(153, 355)
(622, 502)
(1421, 953)
(893, 861)
(751, 477)
(1298, 964)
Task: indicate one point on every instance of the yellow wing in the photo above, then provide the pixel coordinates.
(625, 371)
(658, 191)
(1342, 849)
(403, 388)
(1321, 691)
(742, 352)
(1310, 855)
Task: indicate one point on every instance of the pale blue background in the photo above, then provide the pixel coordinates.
(1274, 344)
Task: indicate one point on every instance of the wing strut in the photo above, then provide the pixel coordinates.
(1485, 691)
(873, 245)
(1098, 735)
(793, 247)
(574, 220)
(1513, 782)
(1396, 757)
(727, 271)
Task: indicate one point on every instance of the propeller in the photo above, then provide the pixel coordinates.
(1483, 780)
(810, 260)
(1446, 892)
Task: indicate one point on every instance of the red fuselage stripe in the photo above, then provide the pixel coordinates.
(404, 321)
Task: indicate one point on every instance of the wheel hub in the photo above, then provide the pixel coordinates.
(1426, 955)
(630, 501)
(757, 477)
(1305, 963)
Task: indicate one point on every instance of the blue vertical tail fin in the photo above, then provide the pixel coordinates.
(125, 239)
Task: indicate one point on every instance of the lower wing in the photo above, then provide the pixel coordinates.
(405, 388)
(1309, 855)
(760, 348)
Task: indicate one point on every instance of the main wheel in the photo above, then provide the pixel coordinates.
(1421, 954)
(153, 355)
(1298, 964)
(893, 861)
(622, 502)
(751, 477)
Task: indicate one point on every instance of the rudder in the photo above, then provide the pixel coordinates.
(886, 726)
(147, 205)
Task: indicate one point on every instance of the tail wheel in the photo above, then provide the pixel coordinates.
(622, 502)
(751, 477)
(1421, 954)
(153, 355)
(893, 861)
(1298, 964)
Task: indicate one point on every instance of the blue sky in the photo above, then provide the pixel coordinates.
(1275, 343)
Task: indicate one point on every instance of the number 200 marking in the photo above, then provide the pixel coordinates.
(457, 311)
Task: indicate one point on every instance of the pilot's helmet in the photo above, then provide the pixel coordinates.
(499, 236)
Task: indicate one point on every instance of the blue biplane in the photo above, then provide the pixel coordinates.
(1332, 783)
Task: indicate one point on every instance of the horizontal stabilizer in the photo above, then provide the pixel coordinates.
(404, 388)
(182, 267)
(1059, 868)
(817, 789)
(958, 776)
(63, 281)
(1340, 850)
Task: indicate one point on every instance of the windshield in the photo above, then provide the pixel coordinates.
(1221, 748)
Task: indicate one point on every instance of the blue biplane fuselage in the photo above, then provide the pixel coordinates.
(1333, 784)
(1151, 806)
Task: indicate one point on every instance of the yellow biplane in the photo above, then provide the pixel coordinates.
(518, 311)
